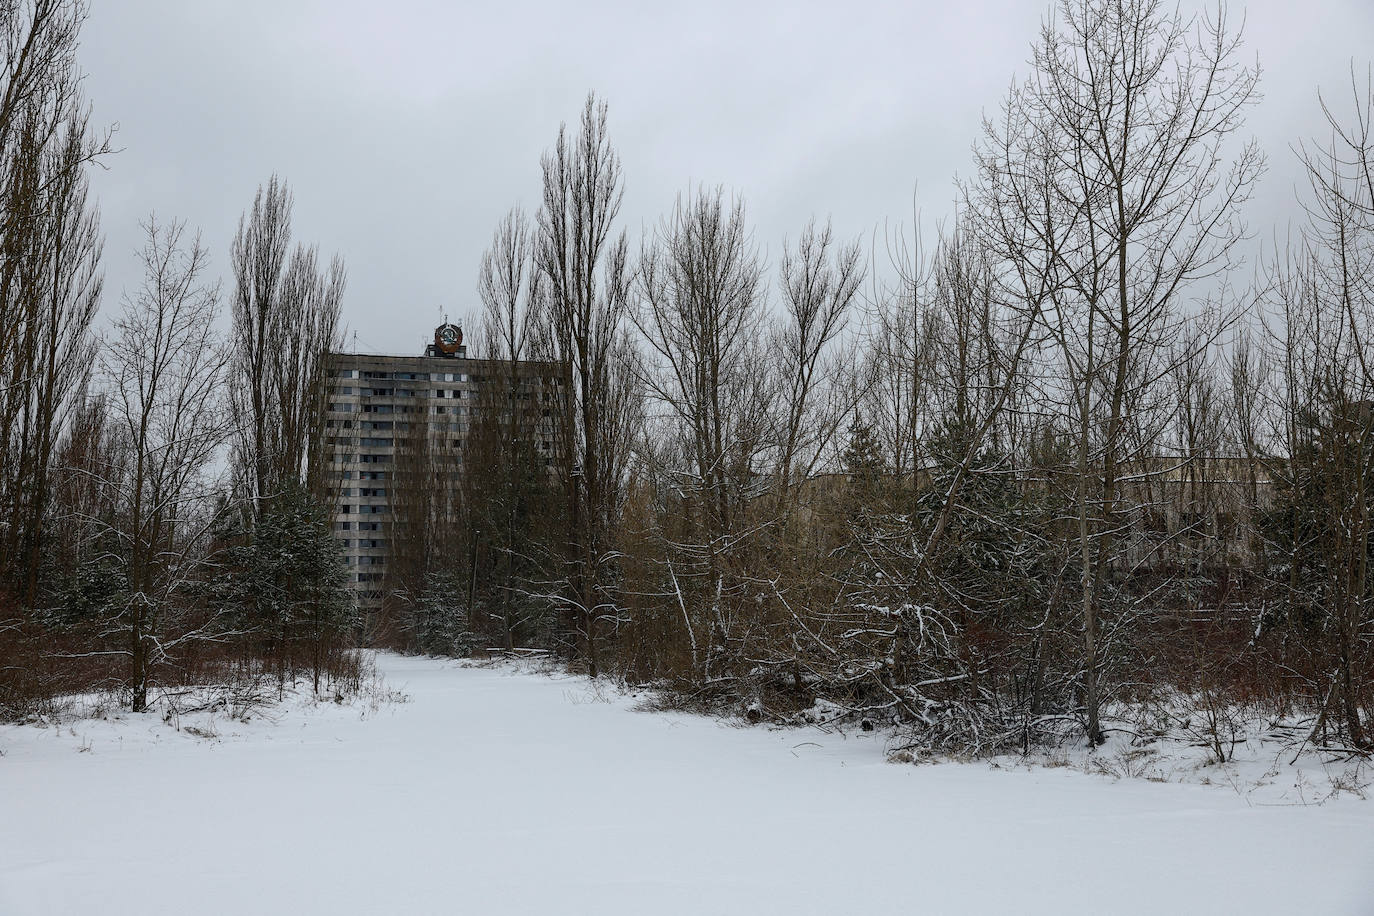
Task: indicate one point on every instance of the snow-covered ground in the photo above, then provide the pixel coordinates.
(491, 790)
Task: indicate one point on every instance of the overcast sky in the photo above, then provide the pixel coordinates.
(406, 130)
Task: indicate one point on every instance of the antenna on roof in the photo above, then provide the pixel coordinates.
(355, 342)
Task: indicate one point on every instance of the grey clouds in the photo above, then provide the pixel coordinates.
(407, 129)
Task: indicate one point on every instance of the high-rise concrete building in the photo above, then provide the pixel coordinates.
(379, 405)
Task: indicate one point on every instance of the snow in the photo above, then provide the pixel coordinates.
(499, 790)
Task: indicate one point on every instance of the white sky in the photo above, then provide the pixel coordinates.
(406, 129)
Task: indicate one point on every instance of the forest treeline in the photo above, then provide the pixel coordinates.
(1075, 449)
(160, 524)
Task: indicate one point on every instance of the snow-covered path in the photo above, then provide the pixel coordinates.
(493, 791)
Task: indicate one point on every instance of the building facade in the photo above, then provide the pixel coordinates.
(380, 409)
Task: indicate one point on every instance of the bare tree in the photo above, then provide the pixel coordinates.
(900, 349)
(512, 495)
(586, 274)
(49, 263)
(508, 286)
(311, 299)
(59, 287)
(820, 281)
(1323, 328)
(702, 315)
(258, 257)
(165, 370)
(286, 320)
(1111, 200)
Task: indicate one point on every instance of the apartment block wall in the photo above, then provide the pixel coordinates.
(376, 406)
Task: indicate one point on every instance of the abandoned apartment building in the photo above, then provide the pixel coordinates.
(378, 405)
